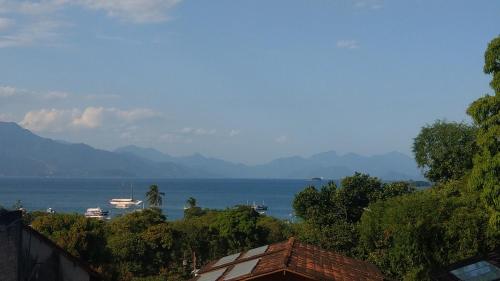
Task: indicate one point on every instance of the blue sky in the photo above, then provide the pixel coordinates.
(245, 81)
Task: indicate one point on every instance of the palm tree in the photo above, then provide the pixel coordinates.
(154, 196)
(191, 202)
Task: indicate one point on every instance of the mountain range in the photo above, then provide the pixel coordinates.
(25, 154)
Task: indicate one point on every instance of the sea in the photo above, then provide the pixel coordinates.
(76, 195)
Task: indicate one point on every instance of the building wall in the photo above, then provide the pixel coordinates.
(46, 262)
(9, 239)
(28, 255)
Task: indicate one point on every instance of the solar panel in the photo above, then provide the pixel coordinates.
(211, 275)
(241, 269)
(226, 259)
(254, 252)
(479, 271)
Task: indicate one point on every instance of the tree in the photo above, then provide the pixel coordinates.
(154, 196)
(485, 112)
(130, 241)
(83, 237)
(18, 205)
(409, 236)
(191, 202)
(331, 214)
(356, 192)
(395, 189)
(445, 150)
(238, 228)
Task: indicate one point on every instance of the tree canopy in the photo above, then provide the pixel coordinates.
(445, 150)
(485, 113)
(154, 196)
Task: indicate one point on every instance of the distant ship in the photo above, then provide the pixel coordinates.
(96, 213)
(317, 178)
(125, 203)
(261, 209)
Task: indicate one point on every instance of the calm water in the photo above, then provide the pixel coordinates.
(76, 195)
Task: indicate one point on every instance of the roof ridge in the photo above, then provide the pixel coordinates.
(288, 251)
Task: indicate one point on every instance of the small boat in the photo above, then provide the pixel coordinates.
(125, 203)
(50, 211)
(317, 179)
(96, 213)
(261, 209)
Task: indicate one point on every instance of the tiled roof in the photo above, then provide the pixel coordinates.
(302, 259)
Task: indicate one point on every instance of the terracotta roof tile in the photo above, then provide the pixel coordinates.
(306, 260)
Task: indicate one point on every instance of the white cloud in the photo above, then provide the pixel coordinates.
(5, 23)
(36, 21)
(40, 31)
(50, 120)
(170, 138)
(198, 131)
(281, 139)
(102, 97)
(25, 95)
(347, 44)
(7, 91)
(6, 117)
(90, 118)
(234, 133)
(56, 120)
(137, 11)
(56, 95)
(134, 114)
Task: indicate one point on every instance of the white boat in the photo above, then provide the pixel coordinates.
(124, 203)
(261, 209)
(96, 213)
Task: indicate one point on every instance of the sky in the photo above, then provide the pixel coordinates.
(245, 81)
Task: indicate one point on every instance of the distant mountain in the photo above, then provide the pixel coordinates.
(25, 154)
(209, 166)
(389, 166)
(147, 153)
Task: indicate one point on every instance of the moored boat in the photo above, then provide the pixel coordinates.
(125, 203)
(261, 209)
(96, 213)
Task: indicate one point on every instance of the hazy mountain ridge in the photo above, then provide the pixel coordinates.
(26, 154)
(389, 166)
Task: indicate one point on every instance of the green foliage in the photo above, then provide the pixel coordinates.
(82, 237)
(486, 115)
(272, 229)
(492, 63)
(238, 228)
(154, 196)
(130, 242)
(191, 202)
(409, 236)
(193, 212)
(445, 150)
(395, 189)
(356, 193)
(330, 214)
